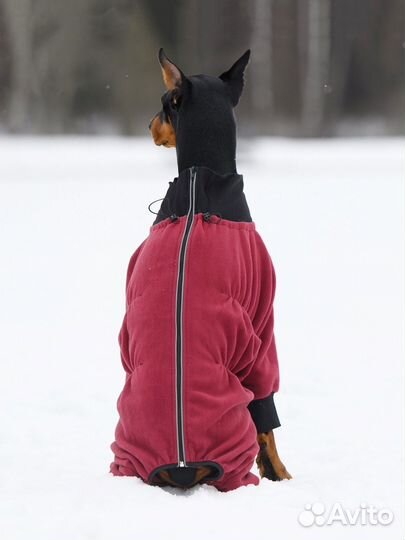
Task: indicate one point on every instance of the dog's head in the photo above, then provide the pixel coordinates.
(199, 95)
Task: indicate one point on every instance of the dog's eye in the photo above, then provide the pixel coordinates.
(175, 101)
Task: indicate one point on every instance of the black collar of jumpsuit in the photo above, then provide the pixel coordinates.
(215, 194)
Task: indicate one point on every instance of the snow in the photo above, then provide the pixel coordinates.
(72, 211)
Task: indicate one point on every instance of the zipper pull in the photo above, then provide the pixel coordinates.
(182, 464)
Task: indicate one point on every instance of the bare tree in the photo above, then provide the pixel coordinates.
(18, 21)
(315, 75)
(261, 68)
(46, 41)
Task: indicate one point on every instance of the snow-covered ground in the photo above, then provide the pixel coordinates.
(72, 211)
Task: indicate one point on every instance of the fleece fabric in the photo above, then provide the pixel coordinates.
(224, 318)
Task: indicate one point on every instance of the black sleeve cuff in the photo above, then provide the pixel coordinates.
(264, 414)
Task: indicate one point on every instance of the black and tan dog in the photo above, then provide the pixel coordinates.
(197, 118)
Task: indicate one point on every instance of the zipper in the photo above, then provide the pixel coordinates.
(181, 453)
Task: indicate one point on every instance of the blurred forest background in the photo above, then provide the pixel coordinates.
(318, 67)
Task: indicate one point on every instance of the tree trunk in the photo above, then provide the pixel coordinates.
(315, 77)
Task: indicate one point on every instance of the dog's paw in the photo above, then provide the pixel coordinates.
(269, 464)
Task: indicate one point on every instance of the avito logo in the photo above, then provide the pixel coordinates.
(316, 514)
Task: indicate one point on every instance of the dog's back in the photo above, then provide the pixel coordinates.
(196, 414)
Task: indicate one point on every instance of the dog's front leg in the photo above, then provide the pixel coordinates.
(268, 461)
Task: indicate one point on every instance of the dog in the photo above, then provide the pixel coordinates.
(197, 341)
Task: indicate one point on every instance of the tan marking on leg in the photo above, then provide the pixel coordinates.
(202, 473)
(271, 450)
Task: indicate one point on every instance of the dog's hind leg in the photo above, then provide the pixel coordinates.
(198, 474)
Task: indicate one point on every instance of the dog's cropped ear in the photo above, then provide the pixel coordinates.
(172, 75)
(234, 77)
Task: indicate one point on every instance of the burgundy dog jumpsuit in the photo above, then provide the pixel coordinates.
(197, 341)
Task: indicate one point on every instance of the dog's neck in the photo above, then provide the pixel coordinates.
(204, 145)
